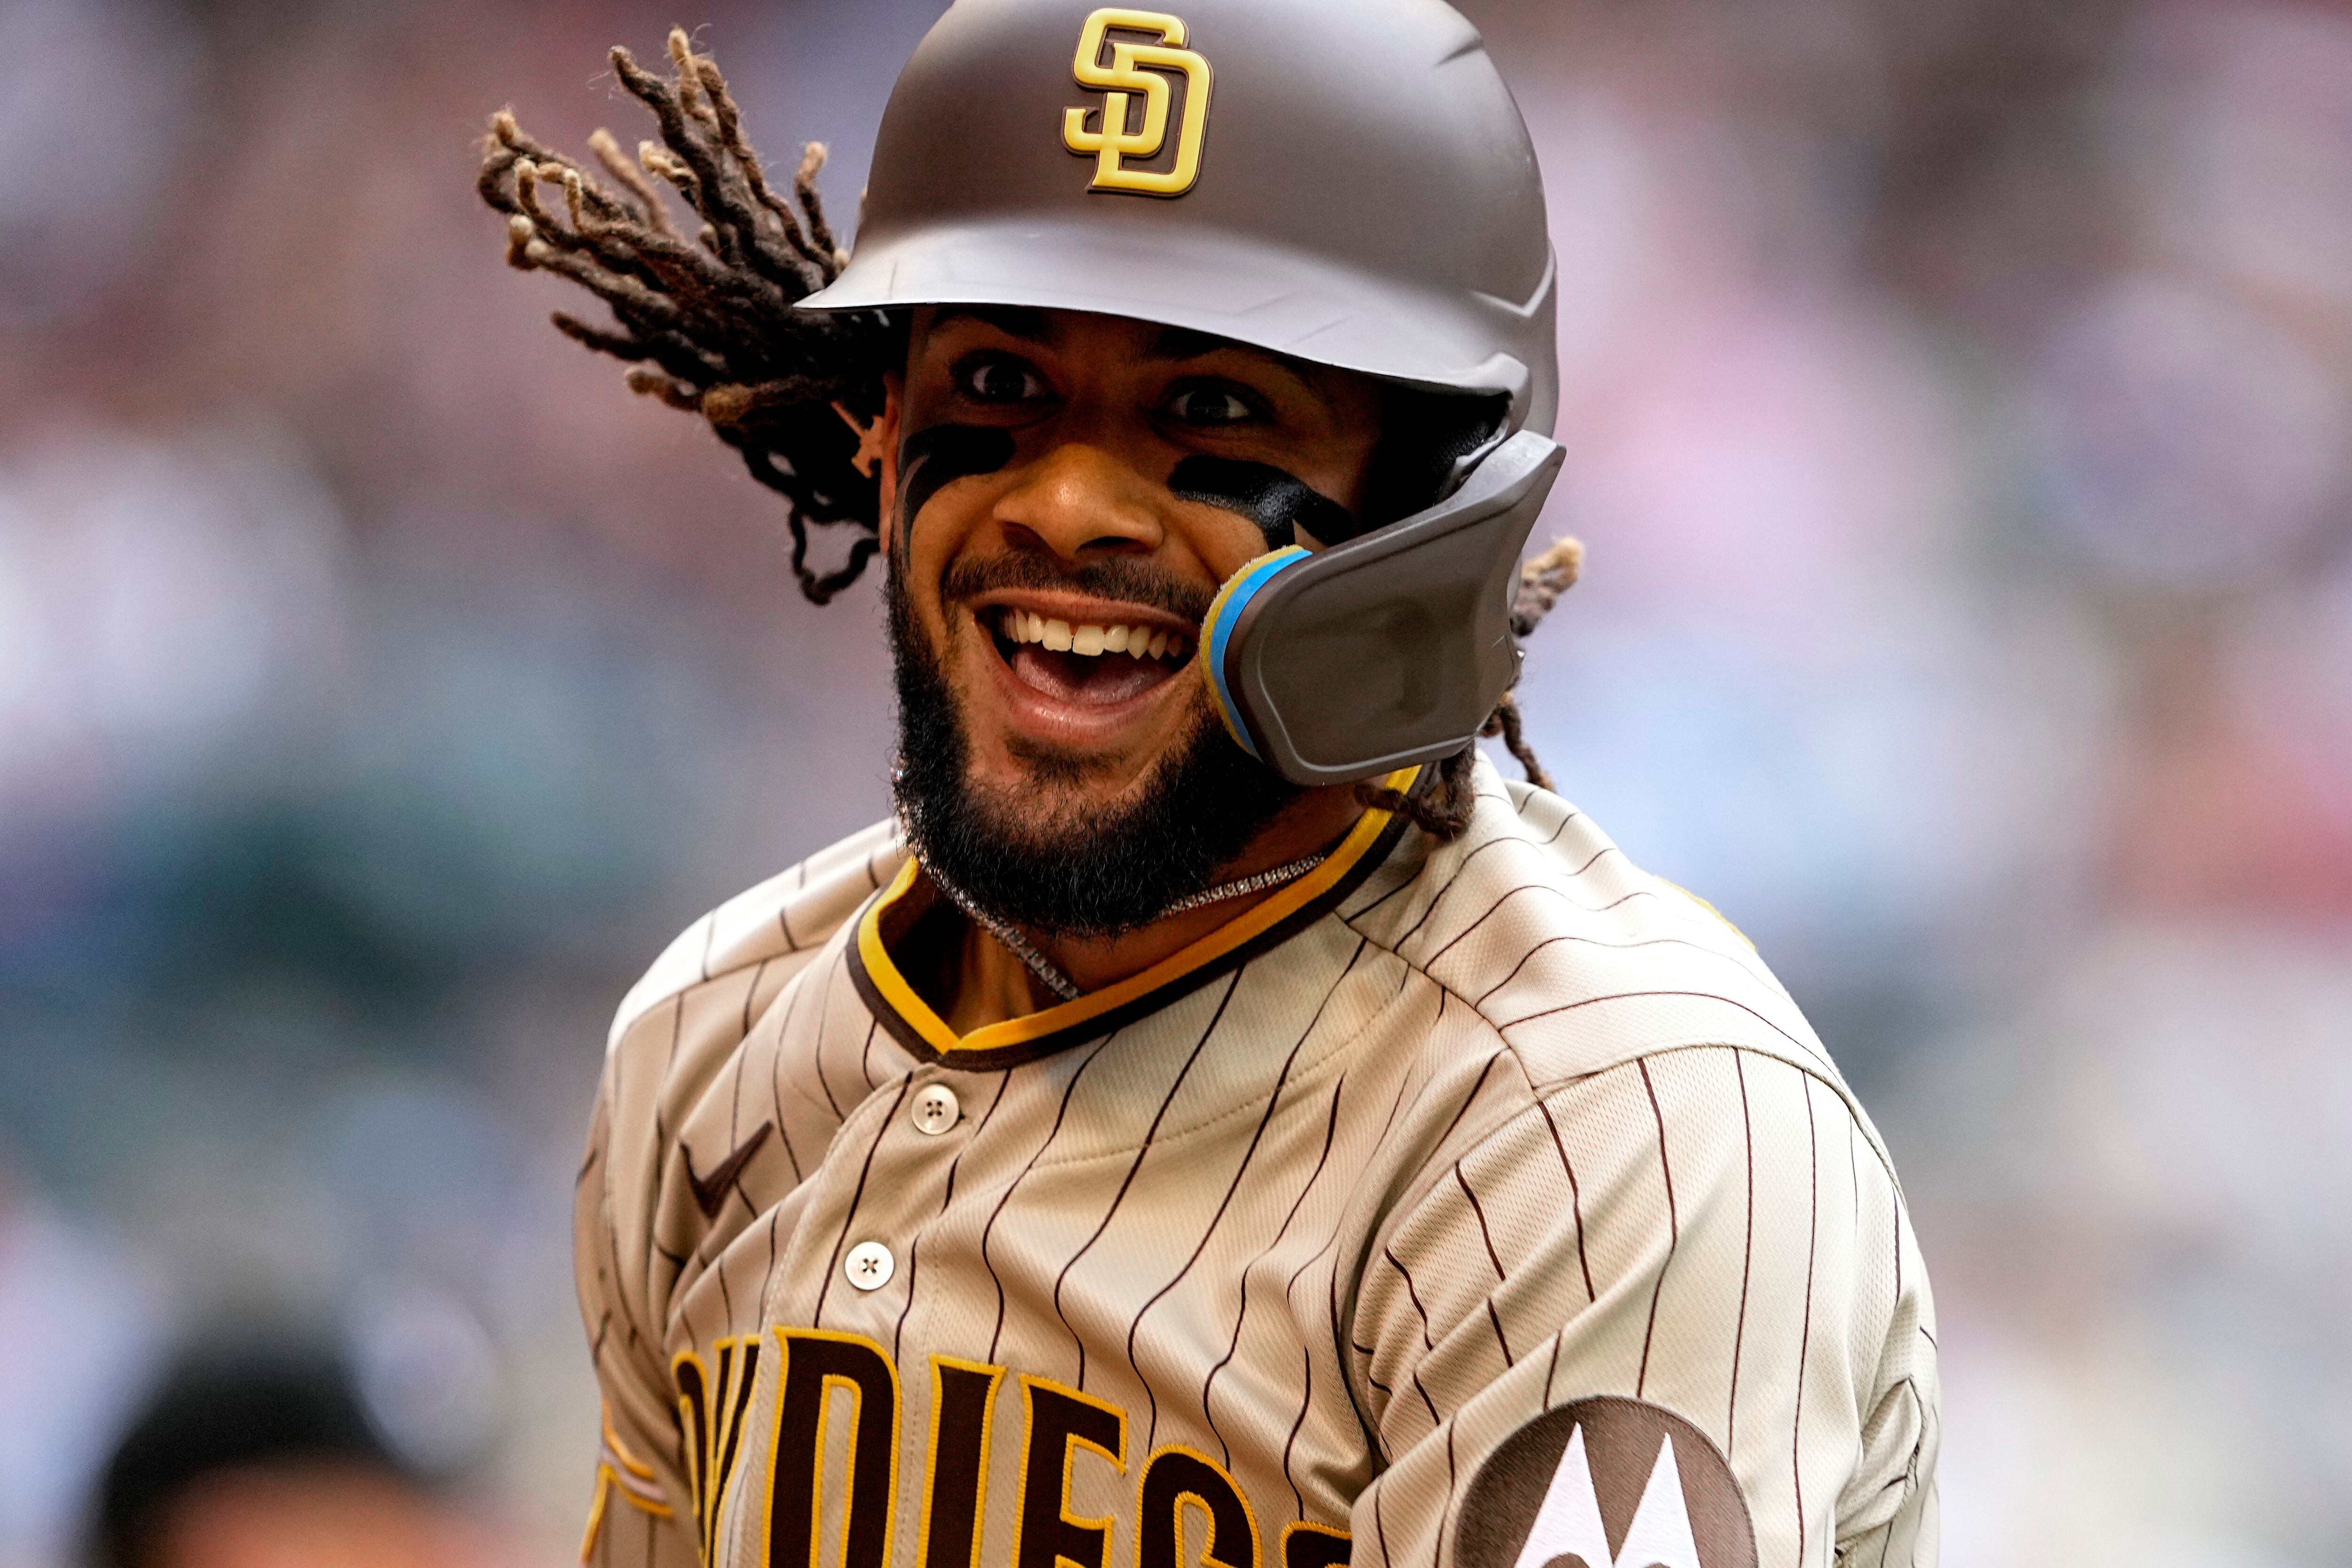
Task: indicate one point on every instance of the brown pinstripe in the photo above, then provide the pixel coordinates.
(1245, 1220)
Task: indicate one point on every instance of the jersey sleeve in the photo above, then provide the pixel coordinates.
(635, 1220)
(642, 1514)
(1671, 1312)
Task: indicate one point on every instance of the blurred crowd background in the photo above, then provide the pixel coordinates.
(1959, 411)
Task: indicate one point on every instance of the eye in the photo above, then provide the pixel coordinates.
(1210, 403)
(1000, 379)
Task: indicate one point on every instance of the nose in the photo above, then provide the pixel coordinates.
(1080, 498)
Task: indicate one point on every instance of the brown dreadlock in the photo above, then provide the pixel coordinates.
(708, 322)
(708, 326)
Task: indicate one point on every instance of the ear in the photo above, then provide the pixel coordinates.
(877, 450)
(869, 455)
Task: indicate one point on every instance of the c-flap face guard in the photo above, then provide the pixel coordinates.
(1388, 650)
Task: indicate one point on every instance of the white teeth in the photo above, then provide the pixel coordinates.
(1091, 641)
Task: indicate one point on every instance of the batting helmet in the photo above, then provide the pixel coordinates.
(1272, 171)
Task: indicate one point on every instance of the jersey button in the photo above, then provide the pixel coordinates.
(869, 1265)
(936, 1110)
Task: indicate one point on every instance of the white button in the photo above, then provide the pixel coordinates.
(869, 1265)
(936, 1109)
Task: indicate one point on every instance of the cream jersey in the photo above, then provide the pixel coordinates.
(1475, 1205)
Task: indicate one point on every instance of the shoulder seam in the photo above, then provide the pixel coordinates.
(1698, 912)
(1539, 1095)
(633, 1010)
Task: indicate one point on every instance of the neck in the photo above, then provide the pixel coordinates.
(990, 983)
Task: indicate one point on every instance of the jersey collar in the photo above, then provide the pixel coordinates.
(1262, 926)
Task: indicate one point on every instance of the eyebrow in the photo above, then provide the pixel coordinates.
(1187, 344)
(1190, 343)
(1012, 321)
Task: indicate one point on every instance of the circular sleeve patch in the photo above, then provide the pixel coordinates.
(1605, 1483)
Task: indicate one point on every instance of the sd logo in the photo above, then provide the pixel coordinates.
(1152, 70)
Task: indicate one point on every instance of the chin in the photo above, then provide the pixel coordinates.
(1095, 834)
(1078, 773)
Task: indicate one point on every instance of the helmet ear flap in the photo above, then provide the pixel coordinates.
(1340, 666)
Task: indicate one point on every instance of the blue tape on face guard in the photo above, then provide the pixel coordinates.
(1224, 613)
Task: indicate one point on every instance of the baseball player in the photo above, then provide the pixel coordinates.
(1218, 1119)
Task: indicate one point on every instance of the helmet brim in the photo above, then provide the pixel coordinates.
(1293, 304)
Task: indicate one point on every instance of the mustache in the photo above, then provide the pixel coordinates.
(1135, 581)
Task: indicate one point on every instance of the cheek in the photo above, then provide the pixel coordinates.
(919, 558)
(1231, 545)
(929, 515)
(1336, 458)
(933, 459)
(954, 526)
(1344, 477)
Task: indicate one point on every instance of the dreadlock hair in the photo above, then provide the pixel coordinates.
(707, 322)
(1443, 810)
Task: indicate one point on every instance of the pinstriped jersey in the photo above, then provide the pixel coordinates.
(1475, 1205)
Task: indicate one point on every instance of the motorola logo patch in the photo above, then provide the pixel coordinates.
(1605, 1483)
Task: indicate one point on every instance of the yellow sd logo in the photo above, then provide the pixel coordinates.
(1137, 68)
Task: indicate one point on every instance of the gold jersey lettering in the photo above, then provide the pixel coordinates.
(1148, 69)
(711, 1420)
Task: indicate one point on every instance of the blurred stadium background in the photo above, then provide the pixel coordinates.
(1959, 406)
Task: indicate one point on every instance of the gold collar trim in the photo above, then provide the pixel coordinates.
(912, 1022)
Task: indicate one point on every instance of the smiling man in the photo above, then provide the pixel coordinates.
(1219, 1118)
(1062, 767)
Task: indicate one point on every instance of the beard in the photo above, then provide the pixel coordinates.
(1039, 856)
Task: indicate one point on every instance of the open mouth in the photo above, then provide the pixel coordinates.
(1088, 665)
